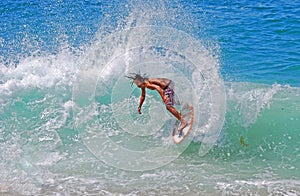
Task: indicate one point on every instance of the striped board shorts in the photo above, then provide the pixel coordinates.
(169, 94)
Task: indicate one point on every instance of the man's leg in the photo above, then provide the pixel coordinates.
(178, 116)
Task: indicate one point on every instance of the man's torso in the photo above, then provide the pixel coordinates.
(161, 82)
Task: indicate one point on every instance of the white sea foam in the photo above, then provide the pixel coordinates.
(39, 72)
(250, 100)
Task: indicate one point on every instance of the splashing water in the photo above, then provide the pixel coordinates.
(68, 120)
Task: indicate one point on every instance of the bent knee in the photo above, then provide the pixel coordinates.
(169, 107)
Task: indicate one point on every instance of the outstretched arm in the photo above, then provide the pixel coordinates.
(142, 98)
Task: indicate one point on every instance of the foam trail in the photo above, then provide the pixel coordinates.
(159, 52)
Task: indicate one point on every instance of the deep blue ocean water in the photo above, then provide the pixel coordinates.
(68, 119)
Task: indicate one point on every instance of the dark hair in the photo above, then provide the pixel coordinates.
(135, 76)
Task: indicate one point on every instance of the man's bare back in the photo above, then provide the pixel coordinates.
(162, 82)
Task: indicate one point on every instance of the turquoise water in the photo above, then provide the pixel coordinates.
(68, 119)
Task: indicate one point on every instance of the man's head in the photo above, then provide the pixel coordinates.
(137, 79)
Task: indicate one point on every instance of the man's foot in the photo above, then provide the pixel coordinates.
(182, 126)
